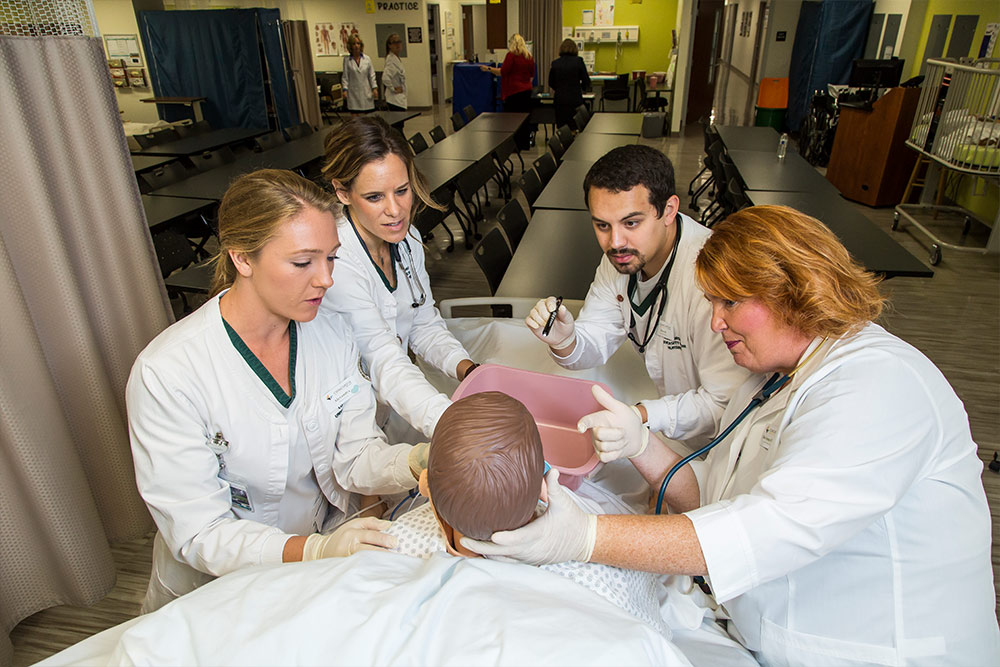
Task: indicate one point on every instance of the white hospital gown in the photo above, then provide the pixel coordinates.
(420, 535)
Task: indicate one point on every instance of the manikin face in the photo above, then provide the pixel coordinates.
(380, 199)
(630, 233)
(292, 272)
(759, 340)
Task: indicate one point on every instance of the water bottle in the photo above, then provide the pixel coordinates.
(782, 145)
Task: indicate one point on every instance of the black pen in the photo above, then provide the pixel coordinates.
(552, 317)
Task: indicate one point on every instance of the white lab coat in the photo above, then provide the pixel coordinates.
(844, 522)
(689, 364)
(394, 76)
(386, 326)
(191, 383)
(357, 82)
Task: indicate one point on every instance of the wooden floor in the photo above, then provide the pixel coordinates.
(951, 317)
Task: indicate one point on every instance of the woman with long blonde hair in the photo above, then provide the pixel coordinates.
(516, 76)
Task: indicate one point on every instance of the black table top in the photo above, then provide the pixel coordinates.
(565, 190)
(161, 210)
(875, 249)
(466, 145)
(439, 173)
(615, 123)
(144, 162)
(591, 146)
(497, 122)
(762, 170)
(212, 184)
(396, 117)
(749, 138)
(558, 256)
(207, 141)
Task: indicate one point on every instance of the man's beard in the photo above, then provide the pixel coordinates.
(630, 268)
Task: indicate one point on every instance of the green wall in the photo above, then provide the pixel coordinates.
(987, 10)
(656, 20)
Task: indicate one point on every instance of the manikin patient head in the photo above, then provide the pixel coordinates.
(485, 467)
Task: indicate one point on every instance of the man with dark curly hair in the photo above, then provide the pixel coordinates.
(645, 291)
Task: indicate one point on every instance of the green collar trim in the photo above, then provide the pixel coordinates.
(258, 368)
(633, 287)
(378, 269)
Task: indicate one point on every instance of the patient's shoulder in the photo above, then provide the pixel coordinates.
(418, 533)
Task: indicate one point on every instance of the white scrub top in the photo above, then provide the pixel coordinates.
(191, 389)
(357, 82)
(689, 364)
(844, 522)
(394, 76)
(386, 326)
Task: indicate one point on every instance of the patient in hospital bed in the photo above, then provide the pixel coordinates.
(485, 474)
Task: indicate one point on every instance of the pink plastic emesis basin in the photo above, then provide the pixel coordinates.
(557, 404)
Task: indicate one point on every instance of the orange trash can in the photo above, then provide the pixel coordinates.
(772, 103)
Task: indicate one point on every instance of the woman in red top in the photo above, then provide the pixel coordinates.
(516, 76)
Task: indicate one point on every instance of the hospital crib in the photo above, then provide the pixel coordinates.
(956, 131)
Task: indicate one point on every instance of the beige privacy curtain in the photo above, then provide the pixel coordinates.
(300, 61)
(541, 23)
(80, 296)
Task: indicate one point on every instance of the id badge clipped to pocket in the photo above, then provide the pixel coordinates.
(239, 490)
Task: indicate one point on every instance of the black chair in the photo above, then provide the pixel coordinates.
(513, 221)
(531, 186)
(157, 138)
(470, 113)
(546, 167)
(493, 256)
(711, 136)
(586, 113)
(428, 218)
(723, 171)
(505, 165)
(303, 129)
(565, 135)
(615, 90)
(177, 260)
(418, 143)
(556, 147)
(194, 129)
(212, 159)
(164, 175)
(437, 134)
(457, 122)
(580, 118)
(266, 142)
(647, 103)
(468, 184)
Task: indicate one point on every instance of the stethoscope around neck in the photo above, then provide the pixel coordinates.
(417, 293)
(659, 291)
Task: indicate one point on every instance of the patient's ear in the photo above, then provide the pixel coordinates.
(422, 484)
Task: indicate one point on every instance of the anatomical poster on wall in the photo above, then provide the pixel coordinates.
(604, 12)
(346, 30)
(325, 38)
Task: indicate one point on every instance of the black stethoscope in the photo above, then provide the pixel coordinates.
(409, 273)
(660, 288)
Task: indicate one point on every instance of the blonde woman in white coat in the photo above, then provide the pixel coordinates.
(394, 76)
(382, 287)
(358, 78)
(251, 426)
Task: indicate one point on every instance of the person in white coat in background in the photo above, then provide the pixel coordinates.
(394, 76)
(382, 286)
(644, 291)
(843, 519)
(358, 78)
(251, 427)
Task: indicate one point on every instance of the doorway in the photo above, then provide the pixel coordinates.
(705, 58)
(434, 46)
(468, 39)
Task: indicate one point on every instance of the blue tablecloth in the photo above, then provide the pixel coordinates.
(471, 85)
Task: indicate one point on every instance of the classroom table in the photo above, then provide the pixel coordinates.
(466, 145)
(164, 210)
(439, 173)
(614, 123)
(395, 118)
(564, 191)
(868, 244)
(497, 122)
(591, 146)
(144, 162)
(762, 170)
(212, 184)
(557, 255)
(738, 138)
(193, 102)
(199, 143)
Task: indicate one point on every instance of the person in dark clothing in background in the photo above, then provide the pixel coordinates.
(568, 79)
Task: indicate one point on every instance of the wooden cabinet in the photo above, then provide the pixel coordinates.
(870, 162)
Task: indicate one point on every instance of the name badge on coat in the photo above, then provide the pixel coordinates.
(336, 398)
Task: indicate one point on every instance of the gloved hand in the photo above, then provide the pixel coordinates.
(355, 535)
(618, 429)
(417, 458)
(565, 532)
(563, 331)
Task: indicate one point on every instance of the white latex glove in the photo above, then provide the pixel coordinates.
(565, 532)
(355, 535)
(618, 429)
(563, 331)
(417, 458)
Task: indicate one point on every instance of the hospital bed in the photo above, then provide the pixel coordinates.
(387, 609)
